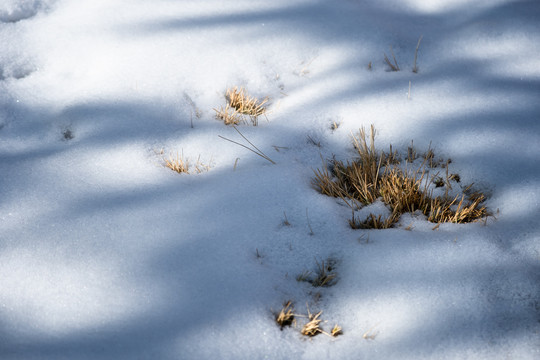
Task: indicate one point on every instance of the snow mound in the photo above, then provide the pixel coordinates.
(16, 10)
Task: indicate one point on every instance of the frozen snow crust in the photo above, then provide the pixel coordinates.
(106, 254)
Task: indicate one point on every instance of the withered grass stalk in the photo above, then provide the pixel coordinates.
(415, 68)
(253, 148)
(393, 66)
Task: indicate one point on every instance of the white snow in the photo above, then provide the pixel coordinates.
(107, 254)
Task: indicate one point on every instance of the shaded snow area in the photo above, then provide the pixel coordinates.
(107, 254)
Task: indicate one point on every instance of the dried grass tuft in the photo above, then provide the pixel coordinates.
(304, 276)
(178, 163)
(375, 175)
(313, 327)
(325, 275)
(182, 165)
(229, 115)
(373, 222)
(244, 104)
(286, 316)
(336, 331)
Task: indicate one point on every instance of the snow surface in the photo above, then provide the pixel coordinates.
(106, 254)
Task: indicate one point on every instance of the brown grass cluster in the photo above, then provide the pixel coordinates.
(229, 115)
(241, 104)
(376, 175)
(312, 327)
(286, 316)
(182, 165)
(324, 276)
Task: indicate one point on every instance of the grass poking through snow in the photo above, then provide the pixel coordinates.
(286, 316)
(240, 104)
(393, 65)
(228, 115)
(378, 175)
(323, 276)
(182, 165)
(312, 327)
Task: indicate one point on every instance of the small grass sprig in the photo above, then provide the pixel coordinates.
(312, 327)
(240, 104)
(228, 115)
(336, 331)
(182, 165)
(286, 316)
(393, 65)
(325, 275)
(373, 222)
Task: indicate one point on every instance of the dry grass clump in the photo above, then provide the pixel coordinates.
(228, 115)
(324, 276)
(178, 164)
(245, 104)
(286, 316)
(182, 165)
(376, 175)
(240, 103)
(336, 331)
(403, 191)
(373, 222)
(312, 327)
(457, 210)
(357, 180)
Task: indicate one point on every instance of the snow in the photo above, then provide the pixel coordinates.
(107, 254)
